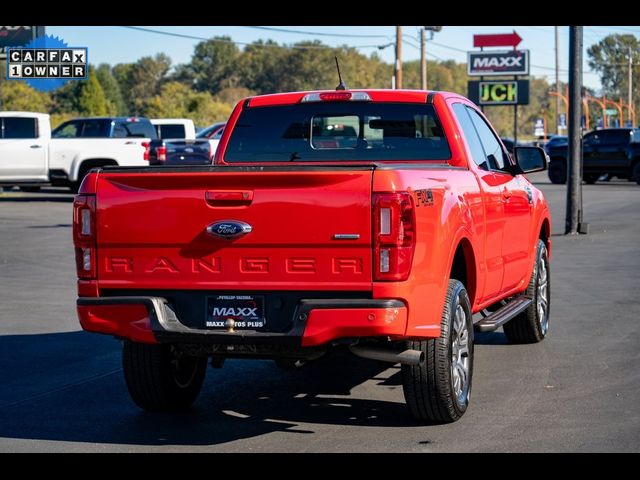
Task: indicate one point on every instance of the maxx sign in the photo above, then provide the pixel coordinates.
(507, 62)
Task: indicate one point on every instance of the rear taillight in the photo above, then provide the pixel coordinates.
(147, 151)
(84, 235)
(394, 236)
(161, 153)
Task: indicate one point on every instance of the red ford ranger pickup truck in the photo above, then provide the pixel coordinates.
(382, 220)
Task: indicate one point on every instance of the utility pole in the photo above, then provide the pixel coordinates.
(573, 221)
(630, 96)
(557, 81)
(423, 58)
(398, 57)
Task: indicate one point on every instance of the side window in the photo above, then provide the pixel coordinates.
(119, 131)
(218, 134)
(18, 127)
(66, 130)
(615, 137)
(95, 128)
(490, 142)
(141, 129)
(470, 134)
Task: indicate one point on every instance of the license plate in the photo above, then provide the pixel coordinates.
(244, 312)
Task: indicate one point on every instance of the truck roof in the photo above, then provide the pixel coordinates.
(165, 121)
(376, 95)
(24, 114)
(121, 118)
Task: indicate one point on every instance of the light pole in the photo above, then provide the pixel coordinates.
(398, 69)
(423, 53)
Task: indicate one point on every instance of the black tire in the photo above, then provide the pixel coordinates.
(429, 388)
(532, 325)
(160, 381)
(558, 172)
(635, 173)
(591, 178)
(75, 186)
(34, 189)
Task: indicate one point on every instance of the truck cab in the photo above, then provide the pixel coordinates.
(24, 155)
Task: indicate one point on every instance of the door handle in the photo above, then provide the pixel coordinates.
(228, 197)
(35, 146)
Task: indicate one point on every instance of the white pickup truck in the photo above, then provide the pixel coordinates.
(31, 155)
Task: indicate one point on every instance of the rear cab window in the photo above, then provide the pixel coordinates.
(338, 131)
(18, 127)
(170, 131)
(137, 128)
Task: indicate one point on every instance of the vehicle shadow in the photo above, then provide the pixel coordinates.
(70, 387)
(35, 198)
(490, 338)
(47, 194)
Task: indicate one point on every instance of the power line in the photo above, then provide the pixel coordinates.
(222, 40)
(321, 34)
(616, 29)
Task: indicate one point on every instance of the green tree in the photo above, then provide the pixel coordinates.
(610, 58)
(142, 80)
(231, 96)
(112, 92)
(261, 66)
(17, 95)
(91, 98)
(177, 100)
(214, 65)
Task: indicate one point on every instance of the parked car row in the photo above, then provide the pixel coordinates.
(32, 155)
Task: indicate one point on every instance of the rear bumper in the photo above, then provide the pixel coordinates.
(315, 322)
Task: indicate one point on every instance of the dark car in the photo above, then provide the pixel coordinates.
(180, 151)
(212, 133)
(510, 144)
(605, 153)
(555, 141)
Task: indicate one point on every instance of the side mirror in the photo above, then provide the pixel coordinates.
(530, 159)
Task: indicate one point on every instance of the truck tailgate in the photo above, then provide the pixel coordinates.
(310, 228)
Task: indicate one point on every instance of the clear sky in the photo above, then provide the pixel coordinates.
(119, 44)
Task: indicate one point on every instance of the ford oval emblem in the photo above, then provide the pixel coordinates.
(229, 229)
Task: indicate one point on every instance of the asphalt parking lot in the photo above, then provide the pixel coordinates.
(63, 390)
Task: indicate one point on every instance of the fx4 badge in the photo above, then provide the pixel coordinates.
(424, 198)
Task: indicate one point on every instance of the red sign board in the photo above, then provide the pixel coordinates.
(497, 40)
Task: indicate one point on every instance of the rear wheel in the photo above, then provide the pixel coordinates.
(437, 390)
(635, 173)
(532, 325)
(558, 172)
(160, 379)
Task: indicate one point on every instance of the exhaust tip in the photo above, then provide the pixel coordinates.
(404, 357)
